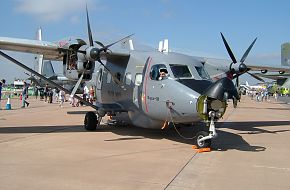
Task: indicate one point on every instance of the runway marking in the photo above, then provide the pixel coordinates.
(272, 167)
(181, 170)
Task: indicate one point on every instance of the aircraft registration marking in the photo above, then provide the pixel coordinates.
(153, 98)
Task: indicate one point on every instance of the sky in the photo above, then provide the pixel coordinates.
(192, 27)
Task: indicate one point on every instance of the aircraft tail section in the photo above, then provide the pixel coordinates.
(47, 69)
(247, 84)
(43, 67)
(285, 54)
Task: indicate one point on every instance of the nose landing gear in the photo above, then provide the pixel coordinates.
(203, 138)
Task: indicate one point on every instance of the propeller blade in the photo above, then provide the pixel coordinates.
(237, 82)
(100, 44)
(107, 46)
(247, 51)
(256, 77)
(229, 49)
(89, 29)
(77, 84)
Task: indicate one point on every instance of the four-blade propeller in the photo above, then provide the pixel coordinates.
(242, 67)
(92, 53)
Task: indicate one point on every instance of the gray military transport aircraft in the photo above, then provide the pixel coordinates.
(149, 89)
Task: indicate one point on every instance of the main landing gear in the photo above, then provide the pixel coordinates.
(92, 121)
(203, 138)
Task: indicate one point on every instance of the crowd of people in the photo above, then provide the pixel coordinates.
(261, 95)
(51, 95)
(54, 95)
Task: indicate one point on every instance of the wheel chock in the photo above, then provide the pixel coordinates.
(200, 150)
(194, 147)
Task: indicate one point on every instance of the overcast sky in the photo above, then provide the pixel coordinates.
(192, 26)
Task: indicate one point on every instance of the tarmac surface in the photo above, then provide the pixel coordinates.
(45, 147)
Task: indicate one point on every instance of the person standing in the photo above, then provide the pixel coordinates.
(92, 94)
(61, 98)
(24, 95)
(35, 92)
(2, 82)
(46, 89)
(275, 96)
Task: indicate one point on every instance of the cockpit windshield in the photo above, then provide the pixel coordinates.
(201, 72)
(180, 71)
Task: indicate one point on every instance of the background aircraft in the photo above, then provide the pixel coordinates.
(283, 76)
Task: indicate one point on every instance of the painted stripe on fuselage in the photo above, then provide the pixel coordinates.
(149, 60)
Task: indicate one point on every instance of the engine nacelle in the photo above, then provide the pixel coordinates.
(264, 71)
(75, 62)
(281, 72)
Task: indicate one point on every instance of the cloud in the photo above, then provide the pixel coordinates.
(52, 10)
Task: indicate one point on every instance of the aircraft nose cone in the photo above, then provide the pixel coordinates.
(222, 89)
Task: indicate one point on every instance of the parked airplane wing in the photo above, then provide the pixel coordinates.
(273, 76)
(50, 51)
(265, 68)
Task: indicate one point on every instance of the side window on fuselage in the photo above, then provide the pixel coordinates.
(138, 79)
(158, 72)
(128, 78)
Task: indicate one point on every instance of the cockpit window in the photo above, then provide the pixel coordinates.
(158, 72)
(202, 73)
(180, 71)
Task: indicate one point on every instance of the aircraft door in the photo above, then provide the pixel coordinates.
(157, 92)
(137, 92)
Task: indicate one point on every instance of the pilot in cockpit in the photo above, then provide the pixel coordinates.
(163, 73)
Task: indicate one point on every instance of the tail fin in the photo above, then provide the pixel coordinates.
(47, 69)
(38, 58)
(247, 84)
(43, 67)
(285, 54)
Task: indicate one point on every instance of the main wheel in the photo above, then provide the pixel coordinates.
(203, 144)
(91, 121)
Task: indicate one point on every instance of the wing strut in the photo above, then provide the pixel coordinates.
(46, 79)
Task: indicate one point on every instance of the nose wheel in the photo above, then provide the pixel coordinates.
(205, 143)
(203, 138)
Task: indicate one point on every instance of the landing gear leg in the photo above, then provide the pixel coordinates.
(203, 138)
(92, 121)
(235, 102)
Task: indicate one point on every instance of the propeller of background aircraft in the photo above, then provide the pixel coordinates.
(242, 67)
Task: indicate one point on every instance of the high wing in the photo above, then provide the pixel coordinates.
(50, 50)
(270, 69)
(217, 67)
(273, 76)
